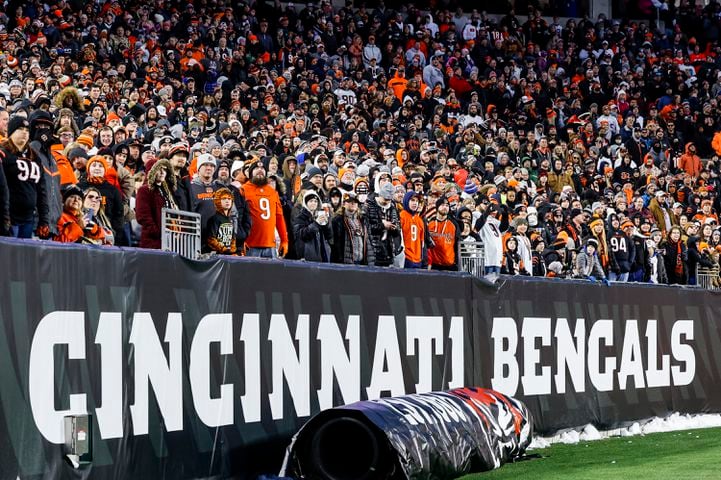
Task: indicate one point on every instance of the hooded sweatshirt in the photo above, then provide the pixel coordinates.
(220, 229)
(689, 162)
(414, 231)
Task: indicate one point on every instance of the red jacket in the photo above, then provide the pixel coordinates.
(149, 205)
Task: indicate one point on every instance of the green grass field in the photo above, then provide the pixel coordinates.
(690, 454)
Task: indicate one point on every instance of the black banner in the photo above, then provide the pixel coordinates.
(206, 369)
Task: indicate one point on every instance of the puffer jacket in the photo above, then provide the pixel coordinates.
(386, 243)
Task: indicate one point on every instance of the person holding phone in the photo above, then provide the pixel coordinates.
(312, 230)
(76, 224)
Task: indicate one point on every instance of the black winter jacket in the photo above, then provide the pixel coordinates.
(26, 187)
(311, 238)
(386, 243)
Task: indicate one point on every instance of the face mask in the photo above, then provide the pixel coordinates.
(43, 135)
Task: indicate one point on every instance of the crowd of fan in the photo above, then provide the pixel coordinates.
(368, 136)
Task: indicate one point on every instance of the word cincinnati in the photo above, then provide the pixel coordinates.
(648, 359)
(339, 363)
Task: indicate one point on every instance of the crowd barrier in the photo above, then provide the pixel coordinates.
(205, 369)
(472, 256)
(708, 278)
(181, 233)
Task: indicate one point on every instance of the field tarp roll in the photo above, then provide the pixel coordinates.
(207, 369)
(441, 435)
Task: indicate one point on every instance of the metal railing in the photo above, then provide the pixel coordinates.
(181, 233)
(708, 278)
(473, 257)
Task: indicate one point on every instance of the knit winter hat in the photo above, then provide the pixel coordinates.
(77, 152)
(596, 222)
(592, 242)
(363, 184)
(470, 187)
(308, 195)
(343, 171)
(86, 140)
(387, 191)
(206, 158)
(71, 190)
(97, 159)
(16, 121)
(237, 165)
(313, 171)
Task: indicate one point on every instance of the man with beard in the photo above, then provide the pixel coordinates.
(134, 163)
(266, 214)
(41, 139)
(223, 178)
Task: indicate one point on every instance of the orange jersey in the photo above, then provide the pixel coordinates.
(443, 251)
(398, 85)
(67, 173)
(266, 215)
(701, 217)
(414, 235)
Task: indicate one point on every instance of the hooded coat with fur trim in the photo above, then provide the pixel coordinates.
(69, 97)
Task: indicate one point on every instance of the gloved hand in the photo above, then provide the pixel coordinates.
(607, 282)
(590, 278)
(43, 231)
(6, 229)
(283, 249)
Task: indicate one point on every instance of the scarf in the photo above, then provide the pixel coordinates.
(678, 267)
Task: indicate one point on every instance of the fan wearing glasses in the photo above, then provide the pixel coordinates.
(94, 214)
(76, 225)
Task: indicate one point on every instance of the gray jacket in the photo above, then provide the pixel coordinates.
(53, 196)
(589, 266)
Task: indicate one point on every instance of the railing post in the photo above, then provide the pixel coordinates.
(472, 258)
(181, 233)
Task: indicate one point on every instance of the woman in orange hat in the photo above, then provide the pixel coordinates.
(97, 168)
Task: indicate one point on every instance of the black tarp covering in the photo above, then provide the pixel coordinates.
(441, 435)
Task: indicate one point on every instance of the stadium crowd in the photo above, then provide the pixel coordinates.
(368, 136)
